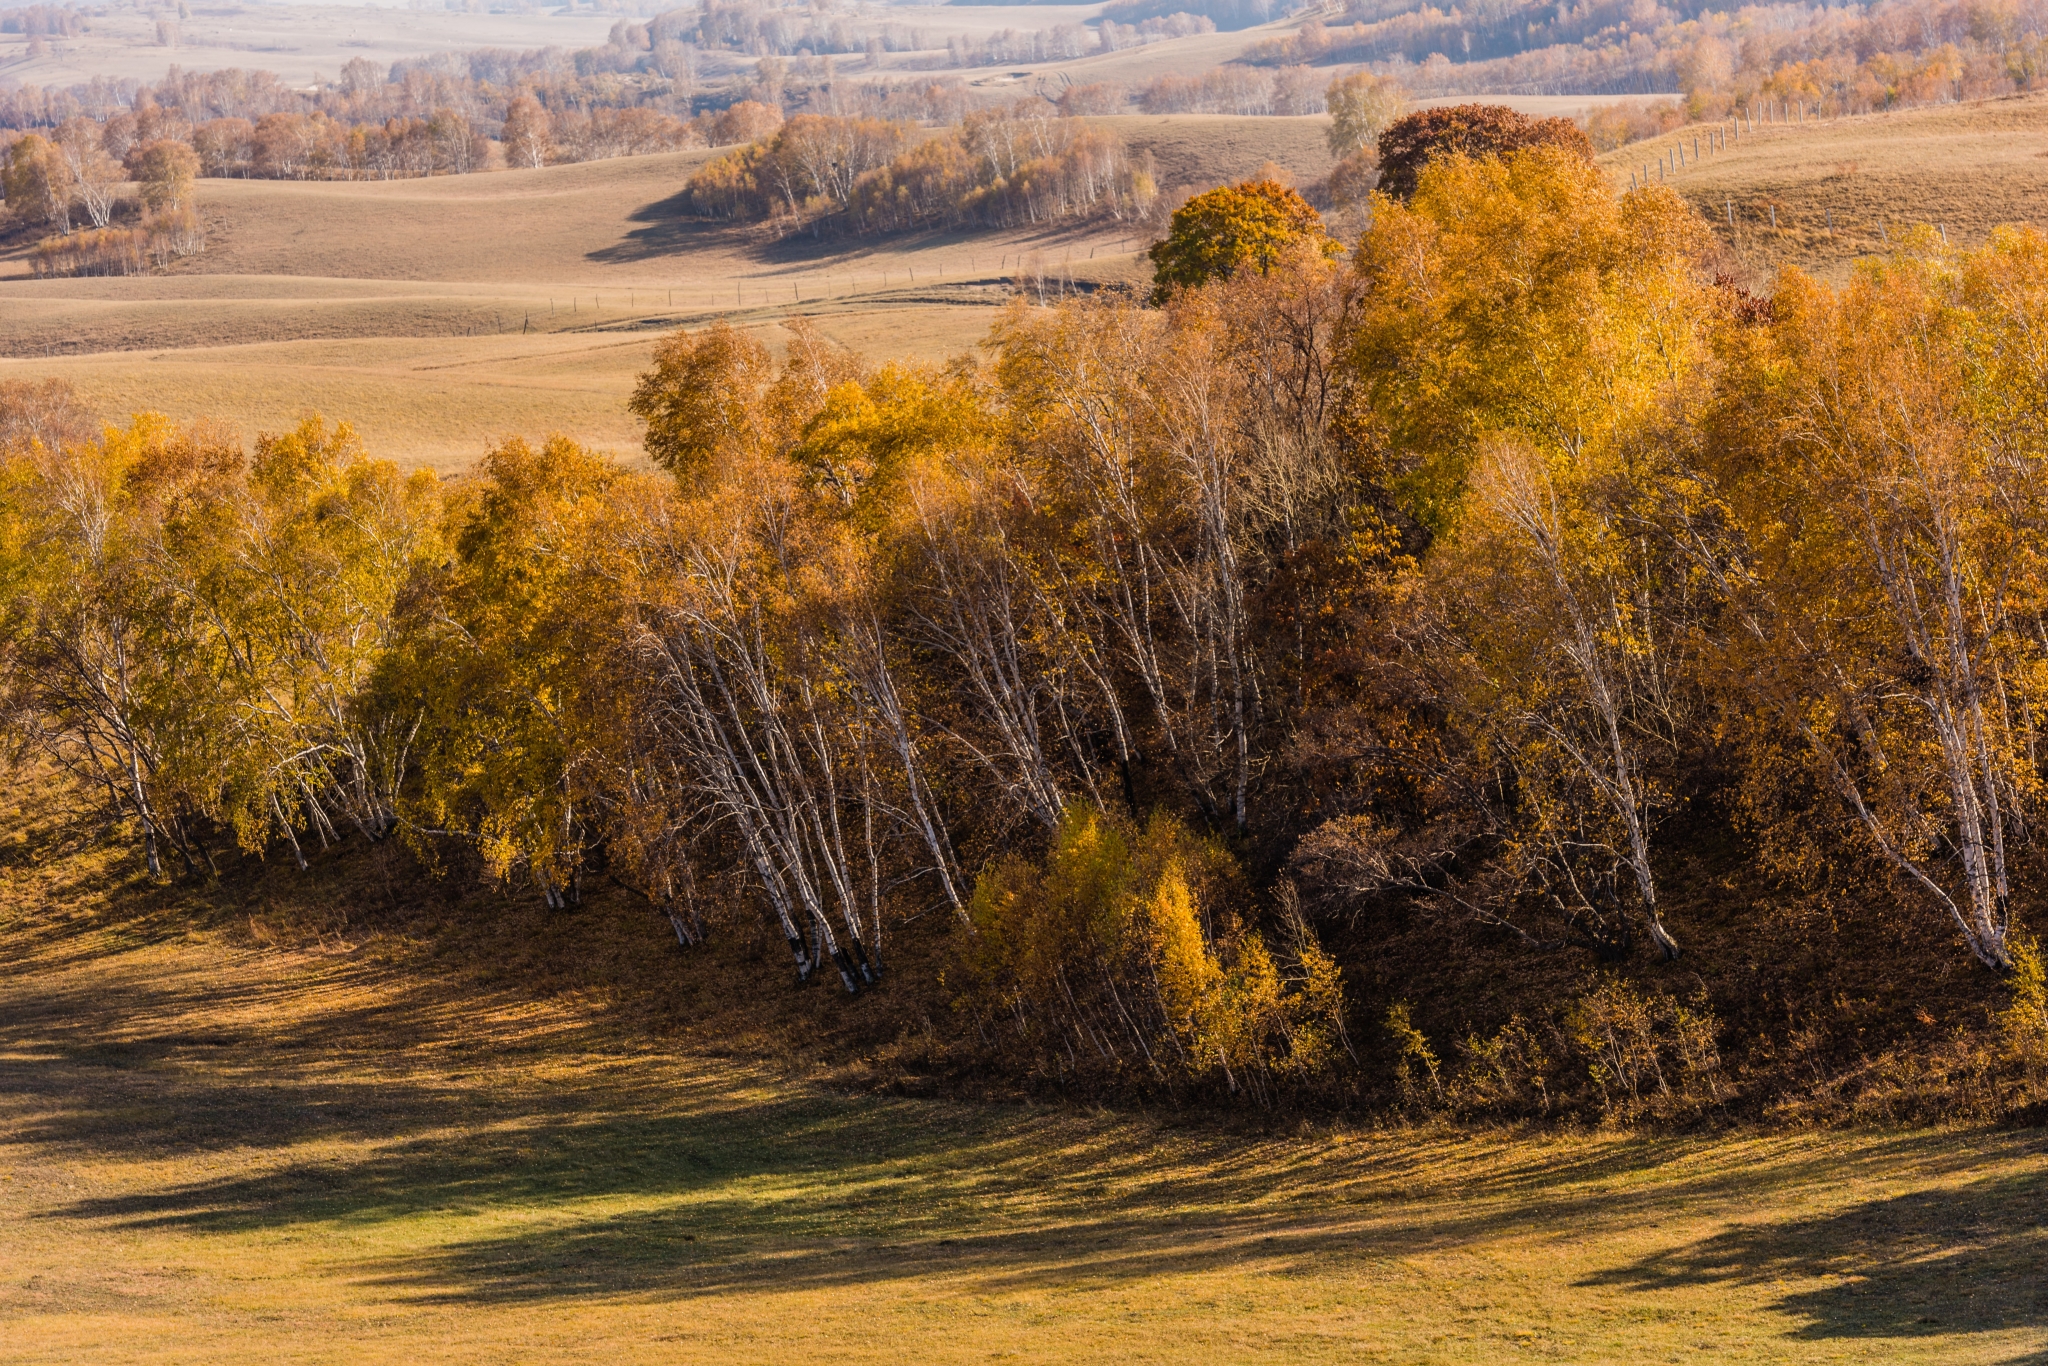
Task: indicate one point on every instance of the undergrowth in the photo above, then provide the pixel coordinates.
(1724, 1039)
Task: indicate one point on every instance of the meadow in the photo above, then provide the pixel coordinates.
(233, 1128)
(1849, 188)
(438, 315)
(301, 42)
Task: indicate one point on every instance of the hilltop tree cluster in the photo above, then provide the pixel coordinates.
(48, 181)
(1508, 670)
(1020, 163)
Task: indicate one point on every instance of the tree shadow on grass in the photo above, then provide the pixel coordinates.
(800, 1193)
(356, 1095)
(721, 1179)
(1923, 1264)
(670, 230)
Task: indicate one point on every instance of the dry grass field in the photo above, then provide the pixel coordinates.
(441, 314)
(1847, 188)
(441, 401)
(297, 41)
(279, 1121)
(302, 42)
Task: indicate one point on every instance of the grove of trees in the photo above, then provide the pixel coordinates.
(1840, 59)
(1023, 162)
(1508, 670)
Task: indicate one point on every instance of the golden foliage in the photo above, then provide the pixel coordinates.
(1467, 583)
(1120, 956)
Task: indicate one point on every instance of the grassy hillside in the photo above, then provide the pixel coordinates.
(1844, 188)
(441, 401)
(1200, 150)
(439, 314)
(291, 1119)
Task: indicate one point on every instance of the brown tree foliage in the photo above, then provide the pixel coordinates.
(1474, 130)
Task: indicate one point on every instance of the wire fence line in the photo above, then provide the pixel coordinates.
(1702, 142)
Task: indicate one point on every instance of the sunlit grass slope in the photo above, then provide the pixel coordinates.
(1848, 188)
(442, 401)
(439, 314)
(270, 1123)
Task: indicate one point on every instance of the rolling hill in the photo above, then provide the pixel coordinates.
(441, 314)
(1844, 189)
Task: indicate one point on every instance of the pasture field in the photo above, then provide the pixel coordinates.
(282, 1121)
(306, 41)
(297, 41)
(442, 401)
(439, 315)
(1848, 188)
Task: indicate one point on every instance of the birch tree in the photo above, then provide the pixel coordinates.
(1529, 364)
(1881, 465)
(101, 676)
(509, 655)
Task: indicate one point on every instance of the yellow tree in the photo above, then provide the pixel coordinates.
(164, 170)
(293, 576)
(510, 654)
(1120, 953)
(1177, 462)
(1880, 460)
(702, 400)
(758, 659)
(103, 671)
(38, 182)
(1361, 106)
(1523, 367)
(1249, 226)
